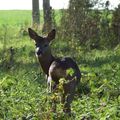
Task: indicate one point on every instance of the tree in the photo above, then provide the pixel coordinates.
(116, 24)
(78, 20)
(35, 13)
(47, 9)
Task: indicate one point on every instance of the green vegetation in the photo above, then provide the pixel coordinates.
(15, 17)
(23, 88)
(21, 17)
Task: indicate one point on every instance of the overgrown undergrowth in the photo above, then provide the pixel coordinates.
(23, 92)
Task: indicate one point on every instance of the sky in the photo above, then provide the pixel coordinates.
(27, 4)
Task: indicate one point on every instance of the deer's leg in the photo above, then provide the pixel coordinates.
(54, 101)
(49, 84)
(69, 92)
(51, 88)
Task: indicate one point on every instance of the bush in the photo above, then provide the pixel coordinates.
(116, 24)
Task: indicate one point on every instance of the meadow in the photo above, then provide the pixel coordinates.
(23, 88)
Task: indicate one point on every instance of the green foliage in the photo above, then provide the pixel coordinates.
(70, 72)
(23, 93)
(116, 24)
(91, 27)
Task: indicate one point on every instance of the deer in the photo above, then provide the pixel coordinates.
(56, 68)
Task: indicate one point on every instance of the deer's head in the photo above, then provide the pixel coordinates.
(42, 43)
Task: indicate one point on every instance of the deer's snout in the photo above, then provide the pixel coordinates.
(38, 51)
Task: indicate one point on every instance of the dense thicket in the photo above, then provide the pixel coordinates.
(116, 24)
(91, 27)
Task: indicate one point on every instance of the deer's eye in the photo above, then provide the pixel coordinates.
(46, 45)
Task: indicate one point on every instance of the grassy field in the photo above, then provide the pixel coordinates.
(21, 17)
(15, 17)
(23, 93)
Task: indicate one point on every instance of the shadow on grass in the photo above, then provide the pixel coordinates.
(98, 62)
(21, 70)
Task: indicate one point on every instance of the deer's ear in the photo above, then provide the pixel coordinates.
(51, 35)
(32, 34)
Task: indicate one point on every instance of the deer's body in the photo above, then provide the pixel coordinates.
(59, 67)
(56, 68)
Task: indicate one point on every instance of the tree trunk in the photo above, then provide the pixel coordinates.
(35, 13)
(47, 16)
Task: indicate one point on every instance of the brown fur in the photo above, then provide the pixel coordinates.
(56, 68)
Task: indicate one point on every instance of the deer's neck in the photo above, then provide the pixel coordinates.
(45, 62)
